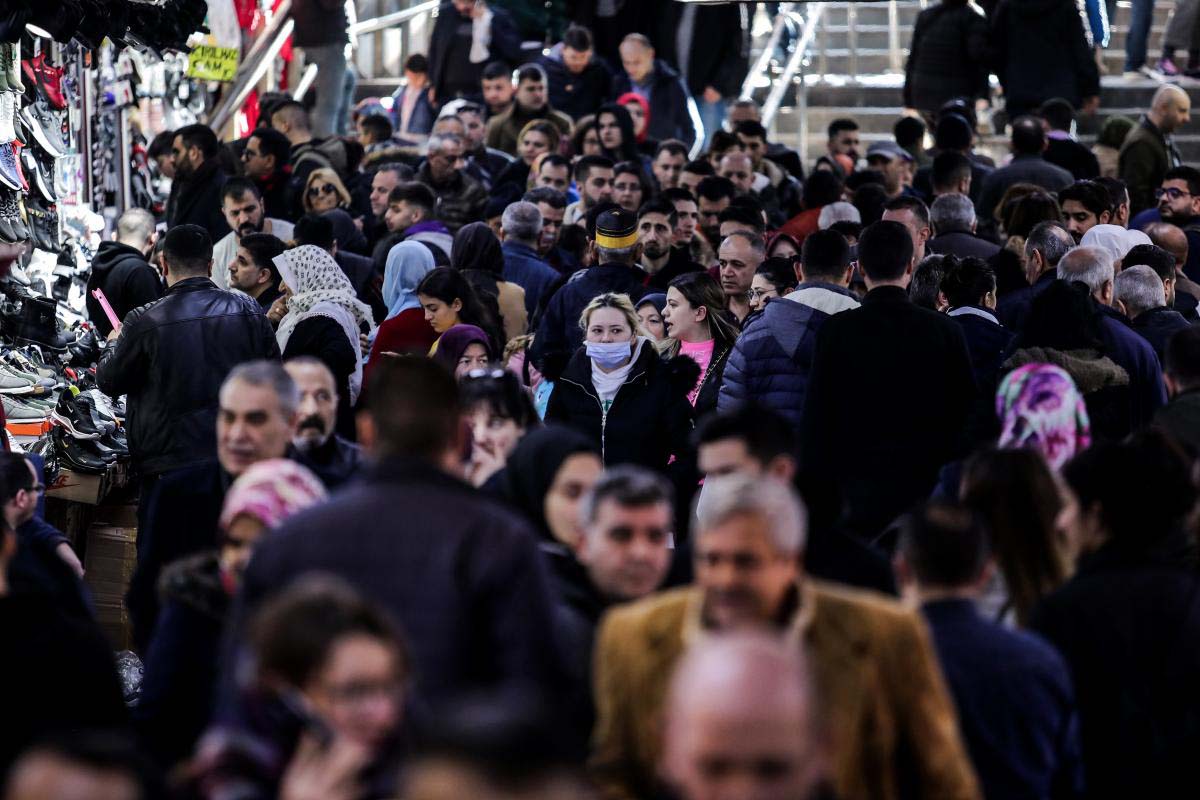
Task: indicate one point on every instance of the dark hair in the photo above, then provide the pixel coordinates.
(1118, 190)
(1089, 194)
(702, 289)
(677, 193)
(949, 169)
(582, 126)
(414, 403)
(1058, 112)
(908, 132)
(273, 143)
(765, 432)
(628, 486)
(577, 38)
(966, 280)
(848, 229)
(860, 178)
(841, 124)
(822, 188)
(1103, 476)
(237, 187)
(555, 160)
(584, 166)
(913, 204)
(1152, 256)
(672, 146)
(780, 272)
(14, 475)
(417, 62)
(414, 193)
(825, 254)
(745, 216)
(1182, 357)
(1063, 317)
(926, 282)
(162, 144)
(531, 72)
(631, 168)
(714, 187)
(1189, 174)
(501, 391)
(314, 229)
(546, 194)
(200, 136)
(495, 70)
(1015, 493)
(379, 126)
(295, 631)
(885, 250)
(448, 284)
(953, 133)
(263, 248)
(752, 128)
(628, 150)
(1028, 137)
(660, 205)
(870, 199)
(1025, 212)
(700, 167)
(723, 141)
(944, 544)
(188, 250)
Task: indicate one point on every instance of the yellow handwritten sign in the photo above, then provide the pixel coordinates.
(209, 63)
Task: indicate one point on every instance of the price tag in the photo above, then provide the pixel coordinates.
(209, 63)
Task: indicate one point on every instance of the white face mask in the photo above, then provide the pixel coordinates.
(608, 355)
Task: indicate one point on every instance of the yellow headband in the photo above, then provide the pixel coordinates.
(616, 242)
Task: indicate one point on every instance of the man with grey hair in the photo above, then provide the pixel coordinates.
(1045, 246)
(521, 229)
(461, 199)
(748, 543)
(1094, 267)
(121, 270)
(256, 421)
(743, 700)
(613, 233)
(1140, 294)
(953, 219)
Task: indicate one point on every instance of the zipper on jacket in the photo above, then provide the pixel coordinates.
(603, 411)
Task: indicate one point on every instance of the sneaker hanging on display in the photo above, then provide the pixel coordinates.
(9, 176)
(45, 127)
(35, 173)
(46, 79)
(43, 225)
(12, 68)
(12, 229)
(8, 111)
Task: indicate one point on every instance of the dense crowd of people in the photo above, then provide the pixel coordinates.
(560, 435)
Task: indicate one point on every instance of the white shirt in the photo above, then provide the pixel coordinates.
(225, 250)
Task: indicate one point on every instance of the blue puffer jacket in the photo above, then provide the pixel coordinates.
(771, 360)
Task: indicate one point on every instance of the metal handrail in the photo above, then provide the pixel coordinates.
(763, 62)
(394, 19)
(808, 29)
(246, 81)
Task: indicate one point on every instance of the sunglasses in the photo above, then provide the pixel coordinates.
(328, 188)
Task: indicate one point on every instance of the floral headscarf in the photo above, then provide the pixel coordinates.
(1039, 407)
(321, 289)
(271, 491)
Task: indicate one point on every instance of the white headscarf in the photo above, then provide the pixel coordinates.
(321, 289)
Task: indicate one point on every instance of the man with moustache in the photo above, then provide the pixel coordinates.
(663, 263)
(241, 203)
(331, 458)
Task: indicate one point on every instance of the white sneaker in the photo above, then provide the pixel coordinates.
(8, 131)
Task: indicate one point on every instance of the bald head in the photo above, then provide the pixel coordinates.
(1170, 108)
(742, 702)
(737, 166)
(1170, 238)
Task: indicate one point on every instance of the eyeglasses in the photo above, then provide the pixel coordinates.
(36, 488)
(1172, 193)
(758, 294)
(328, 188)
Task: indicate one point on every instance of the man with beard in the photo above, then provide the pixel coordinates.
(687, 233)
(266, 161)
(121, 271)
(738, 259)
(713, 195)
(529, 104)
(668, 164)
(460, 198)
(242, 206)
(386, 178)
(333, 459)
(253, 270)
(196, 190)
(484, 163)
(1179, 204)
(1085, 204)
(656, 231)
(552, 205)
(594, 179)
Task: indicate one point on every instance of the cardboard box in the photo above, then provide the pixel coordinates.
(79, 487)
(109, 561)
(122, 516)
(114, 622)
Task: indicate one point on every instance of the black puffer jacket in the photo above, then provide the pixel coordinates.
(171, 358)
(650, 418)
(948, 57)
(127, 280)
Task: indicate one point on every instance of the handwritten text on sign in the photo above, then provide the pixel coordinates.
(208, 63)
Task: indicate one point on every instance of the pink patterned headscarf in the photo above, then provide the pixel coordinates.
(271, 491)
(1040, 408)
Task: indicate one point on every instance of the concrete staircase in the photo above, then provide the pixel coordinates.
(866, 82)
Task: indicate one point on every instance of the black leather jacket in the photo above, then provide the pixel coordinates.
(170, 360)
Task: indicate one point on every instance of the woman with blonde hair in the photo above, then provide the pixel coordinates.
(324, 191)
(618, 392)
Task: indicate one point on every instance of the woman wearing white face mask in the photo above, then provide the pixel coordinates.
(618, 391)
